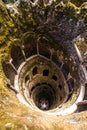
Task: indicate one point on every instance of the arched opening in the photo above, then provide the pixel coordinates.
(46, 72)
(35, 71)
(65, 70)
(60, 87)
(9, 72)
(54, 77)
(70, 83)
(17, 56)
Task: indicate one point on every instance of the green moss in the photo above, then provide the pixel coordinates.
(8, 31)
(31, 20)
(58, 1)
(78, 2)
(14, 115)
(81, 46)
(70, 9)
(84, 12)
(8, 1)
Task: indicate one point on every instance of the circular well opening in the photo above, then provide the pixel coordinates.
(44, 96)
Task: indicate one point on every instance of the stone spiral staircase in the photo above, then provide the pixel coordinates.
(44, 64)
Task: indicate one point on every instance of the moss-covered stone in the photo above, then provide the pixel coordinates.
(70, 9)
(78, 2)
(59, 24)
